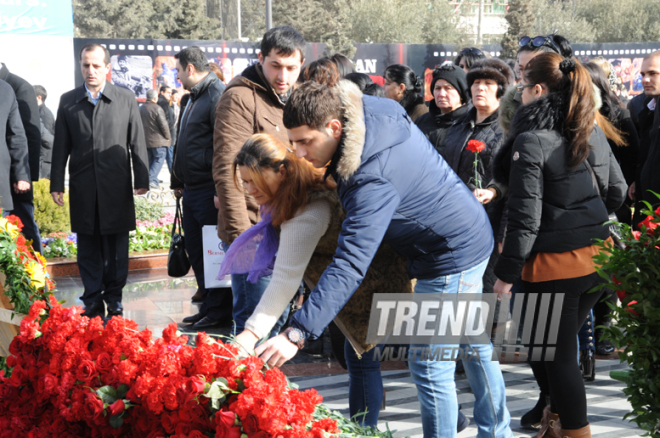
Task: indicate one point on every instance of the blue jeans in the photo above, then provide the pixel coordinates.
(156, 160)
(246, 297)
(436, 388)
(365, 386)
(169, 156)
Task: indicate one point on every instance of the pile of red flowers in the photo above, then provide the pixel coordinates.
(73, 377)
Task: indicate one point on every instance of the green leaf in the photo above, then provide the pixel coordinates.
(108, 394)
(116, 421)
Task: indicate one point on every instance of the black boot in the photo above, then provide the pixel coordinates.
(532, 419)
(603, 346)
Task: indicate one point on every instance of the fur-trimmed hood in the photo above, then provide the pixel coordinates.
(358, 145)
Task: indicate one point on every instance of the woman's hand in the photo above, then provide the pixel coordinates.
(501, 289)
(246, 340)
(276, 351)
(485, 195)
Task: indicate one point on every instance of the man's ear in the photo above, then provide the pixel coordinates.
(261, 58)
(334, 128)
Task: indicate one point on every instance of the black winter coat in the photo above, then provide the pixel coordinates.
(627, 155)
(193, 154)
(169, 115)
(100, 143)
(46, 152)
(13, 147)
(29, 110)
(434, 124)
(552, 208)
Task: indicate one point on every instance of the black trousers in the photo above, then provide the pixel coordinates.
(25, 211)
(103, 265)
(562, 376)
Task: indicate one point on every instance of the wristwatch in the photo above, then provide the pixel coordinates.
(295, 336)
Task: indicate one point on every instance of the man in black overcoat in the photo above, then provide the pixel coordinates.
(29, 110)
(14, 164)
(99, 131)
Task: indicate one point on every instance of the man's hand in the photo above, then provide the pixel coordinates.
(58, 197)
(21, 186)
(276, 351)
(141, 191)
(178, 193)
(501, 288)
(216, 202)
(246, 340)
(485, 195)
(631, 191)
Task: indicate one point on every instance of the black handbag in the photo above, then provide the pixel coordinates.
(615, 230)
(178, 263)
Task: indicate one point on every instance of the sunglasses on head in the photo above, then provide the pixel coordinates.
(471, 51)
(539, 41)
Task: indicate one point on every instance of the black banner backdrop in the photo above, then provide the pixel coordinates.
(143, 64)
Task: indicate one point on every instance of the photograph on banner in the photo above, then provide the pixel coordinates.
(132, 72)
(165, 72)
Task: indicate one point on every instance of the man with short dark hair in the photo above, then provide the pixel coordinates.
(47, 132)
(156, 135)
(29, 111)
(98, 130)
(395, 189)
(253, 103)
(192, 177)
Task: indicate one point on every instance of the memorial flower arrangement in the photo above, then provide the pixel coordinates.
(634, 273)
(73, 377)
(25, 270)
(476, 146)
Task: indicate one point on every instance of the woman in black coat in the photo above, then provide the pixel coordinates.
(487, 82)
(451, 101)
(562, 181)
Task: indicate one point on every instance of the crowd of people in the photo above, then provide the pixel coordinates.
(319, 177)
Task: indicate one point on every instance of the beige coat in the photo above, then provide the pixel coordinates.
(248, 106)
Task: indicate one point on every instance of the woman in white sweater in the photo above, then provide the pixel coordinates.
(296, 204)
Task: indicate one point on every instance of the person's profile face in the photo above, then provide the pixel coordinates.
(281, 71)
(93, 67)
(183, 76)
(316, 146)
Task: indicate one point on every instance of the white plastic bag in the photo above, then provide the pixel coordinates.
(213, 256)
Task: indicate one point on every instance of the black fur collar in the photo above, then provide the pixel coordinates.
(548, 112)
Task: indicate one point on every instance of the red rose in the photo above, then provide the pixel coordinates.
(183, 428)
(196, 434)
(260, 434)
(117, 407)
(195, 386)
(232, 432)
(93, 406)
(250, 424)
(475, 146)
(226, 418)
(104, 362)
(86, 370)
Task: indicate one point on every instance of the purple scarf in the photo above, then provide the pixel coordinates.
(253, 252)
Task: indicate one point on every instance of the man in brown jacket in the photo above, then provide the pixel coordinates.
(252, 103)
(156, 134)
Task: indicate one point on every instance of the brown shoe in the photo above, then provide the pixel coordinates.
(550, 425)
(198, 297)
(585, 432)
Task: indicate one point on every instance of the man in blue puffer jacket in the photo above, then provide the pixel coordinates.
(395, 188)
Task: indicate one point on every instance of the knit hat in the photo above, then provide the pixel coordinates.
(491, 68)
(455, 76)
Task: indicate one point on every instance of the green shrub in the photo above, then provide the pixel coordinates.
(146, 210)
(50, 217)
(634, 272)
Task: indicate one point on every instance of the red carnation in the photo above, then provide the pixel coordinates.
(475, 146)
(12, 219)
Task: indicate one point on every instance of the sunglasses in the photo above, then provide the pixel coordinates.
(539, 41)
(521, 87)
(471, 51)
